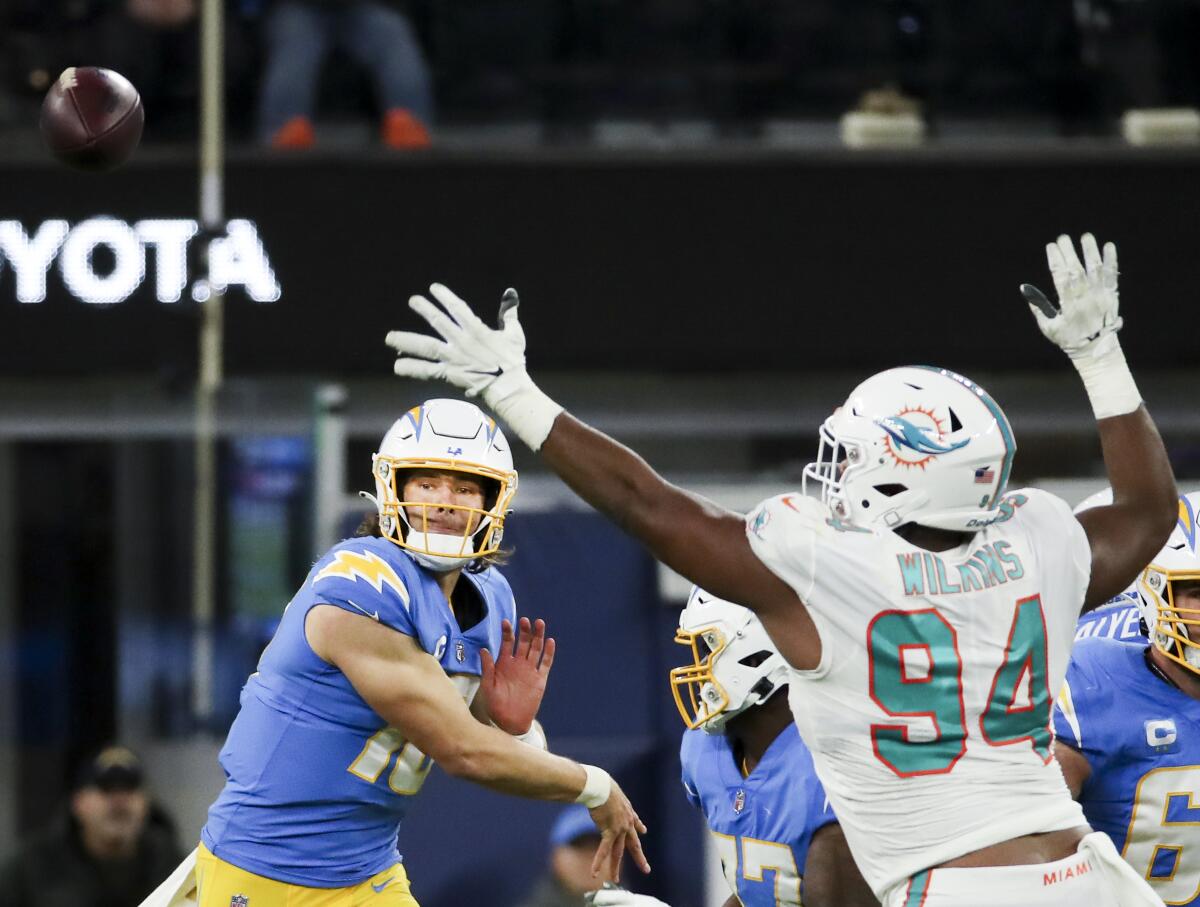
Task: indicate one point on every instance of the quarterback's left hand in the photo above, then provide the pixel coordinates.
(513, 685)
(619, 897)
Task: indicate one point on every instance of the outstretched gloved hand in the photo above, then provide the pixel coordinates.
(484, 361)
(1084, 322)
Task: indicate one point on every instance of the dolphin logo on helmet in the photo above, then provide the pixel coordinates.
(916, 437)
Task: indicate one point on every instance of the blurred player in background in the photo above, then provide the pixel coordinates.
(1127, 724)
(925, 613)
(746, 768)
(372, 676)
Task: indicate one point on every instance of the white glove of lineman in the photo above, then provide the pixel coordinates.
(470, 355)
(479, 359)
(619, 897)
(1085, 322)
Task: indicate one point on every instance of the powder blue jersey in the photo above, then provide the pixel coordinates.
(316, 782)
(1141, 737)
(762, 824)
(1118, 618)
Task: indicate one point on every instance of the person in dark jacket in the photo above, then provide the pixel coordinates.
(110, 850)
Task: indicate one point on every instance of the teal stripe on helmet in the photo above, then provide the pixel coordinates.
(1006, 435)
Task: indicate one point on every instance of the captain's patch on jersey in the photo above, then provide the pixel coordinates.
(365, 565)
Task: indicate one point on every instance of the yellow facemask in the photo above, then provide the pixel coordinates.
(698, 695)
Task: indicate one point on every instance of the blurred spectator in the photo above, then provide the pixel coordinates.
(35, 37)
(573, 842)
(156, 45)
(153, 43)
(110, 850)
(373, 33)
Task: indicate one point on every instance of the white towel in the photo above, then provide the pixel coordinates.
(179, 890)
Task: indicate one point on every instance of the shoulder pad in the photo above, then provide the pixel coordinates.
(367, 577)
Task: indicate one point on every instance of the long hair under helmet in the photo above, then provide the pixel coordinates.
(455, 436)
(916, 444)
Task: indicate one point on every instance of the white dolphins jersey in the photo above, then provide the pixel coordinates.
(928, 716)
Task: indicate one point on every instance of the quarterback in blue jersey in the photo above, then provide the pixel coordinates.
(372, 676)
(746, 768)
(1128, 724)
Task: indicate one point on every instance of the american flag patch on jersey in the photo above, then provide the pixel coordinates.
(985, 475)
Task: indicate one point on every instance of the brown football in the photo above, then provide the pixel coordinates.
(92, 118)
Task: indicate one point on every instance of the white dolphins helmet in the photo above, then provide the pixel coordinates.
(734, 663)
(444, 435)
(1174, 630)
(916, 444)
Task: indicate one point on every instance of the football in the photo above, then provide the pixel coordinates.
(92, 118)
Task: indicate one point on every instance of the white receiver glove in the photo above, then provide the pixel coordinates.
(619, 897)
(1085, 322)
(479, 359)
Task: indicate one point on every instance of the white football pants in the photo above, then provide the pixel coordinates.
(1094, 876)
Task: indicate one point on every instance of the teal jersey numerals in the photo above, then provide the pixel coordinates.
(916, 672)
(1019, 705)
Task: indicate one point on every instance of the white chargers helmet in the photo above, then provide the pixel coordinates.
(448, 435)
(916, 444)
(734, 663)
(1101, 498)
(1104, 498)
(1174, 630)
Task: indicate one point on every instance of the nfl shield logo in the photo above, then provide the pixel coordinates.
(739, 802)
(460, 652)
(239, 900)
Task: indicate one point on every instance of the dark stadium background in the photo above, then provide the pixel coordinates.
(708, 302)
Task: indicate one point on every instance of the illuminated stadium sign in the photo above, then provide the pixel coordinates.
(236, 259)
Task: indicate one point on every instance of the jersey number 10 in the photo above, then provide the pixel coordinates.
(916, 671)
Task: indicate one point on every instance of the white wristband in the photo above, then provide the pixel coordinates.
(535, 737)
(596, 788)
(1110, 386)
(523, 407)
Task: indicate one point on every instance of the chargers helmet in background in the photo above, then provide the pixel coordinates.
(734, 663)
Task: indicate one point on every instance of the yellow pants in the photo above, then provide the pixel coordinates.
(222, 884)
